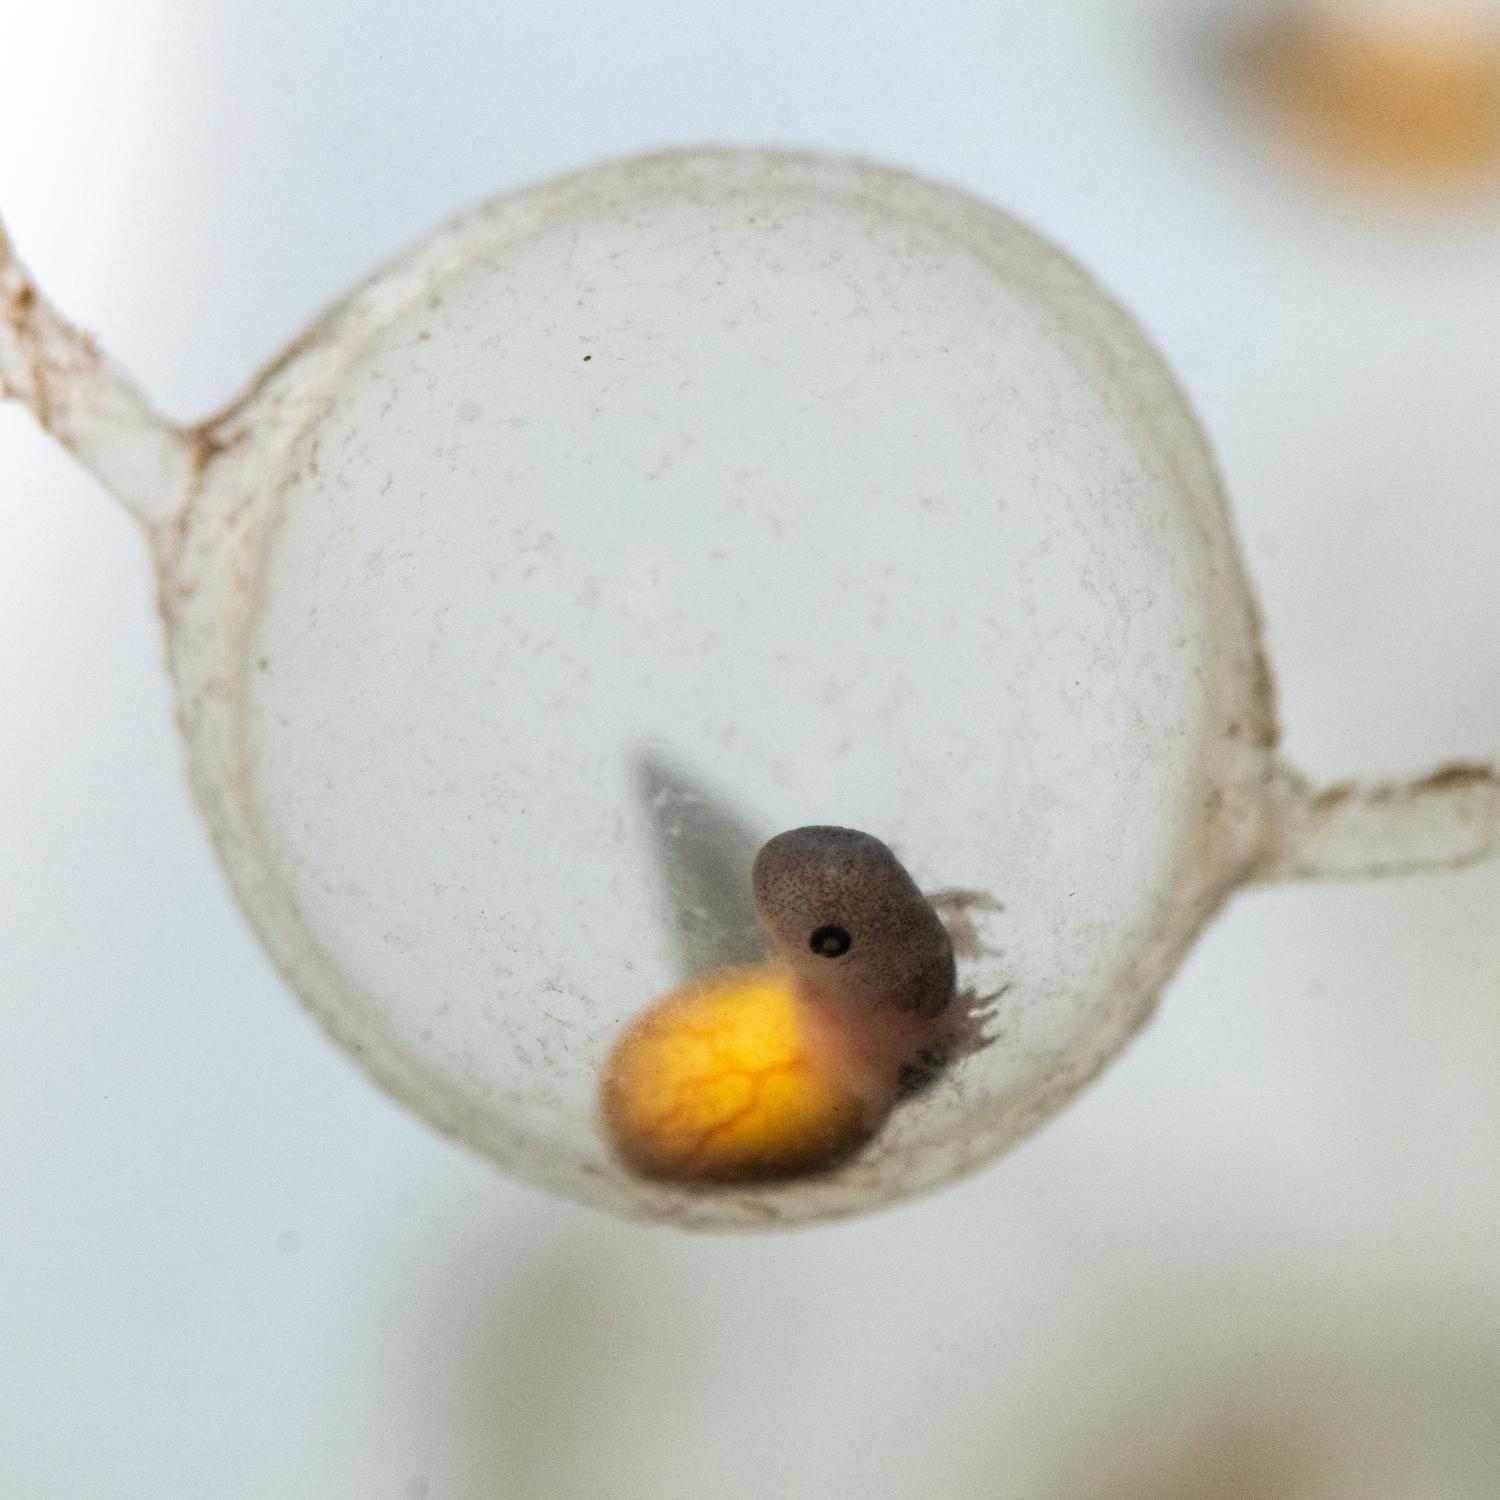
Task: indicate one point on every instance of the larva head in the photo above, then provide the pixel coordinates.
(851, 923)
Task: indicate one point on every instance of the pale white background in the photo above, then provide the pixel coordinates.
(1261, 1258)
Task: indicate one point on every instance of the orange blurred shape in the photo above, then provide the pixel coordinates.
(733, 1079)
(1406, 95)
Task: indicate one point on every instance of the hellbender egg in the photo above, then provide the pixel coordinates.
(640, 515)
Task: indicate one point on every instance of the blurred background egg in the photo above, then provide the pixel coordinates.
(1399, 95)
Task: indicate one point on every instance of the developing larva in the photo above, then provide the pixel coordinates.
(786, 1068)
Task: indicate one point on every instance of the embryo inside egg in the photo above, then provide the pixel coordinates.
(644, 515)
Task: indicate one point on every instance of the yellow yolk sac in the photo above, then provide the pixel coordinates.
(736, 1078)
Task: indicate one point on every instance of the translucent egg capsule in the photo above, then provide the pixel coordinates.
(640, 517)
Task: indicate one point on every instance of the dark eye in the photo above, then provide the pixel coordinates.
(830, 942)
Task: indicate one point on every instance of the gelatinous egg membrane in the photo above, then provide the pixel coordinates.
(638, 516)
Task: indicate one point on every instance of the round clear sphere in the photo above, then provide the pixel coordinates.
(639, 516)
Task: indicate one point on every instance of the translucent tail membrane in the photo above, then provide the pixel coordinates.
(638, 516)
